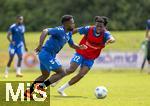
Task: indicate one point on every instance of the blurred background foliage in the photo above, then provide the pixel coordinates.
(39, 14)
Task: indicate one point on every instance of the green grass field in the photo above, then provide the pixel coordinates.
(125, 87)
(129, 88)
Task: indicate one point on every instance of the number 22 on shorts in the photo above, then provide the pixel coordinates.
(76, 58)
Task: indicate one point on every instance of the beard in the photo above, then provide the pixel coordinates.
(70, 29)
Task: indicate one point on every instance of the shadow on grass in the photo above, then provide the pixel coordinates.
(57, 96)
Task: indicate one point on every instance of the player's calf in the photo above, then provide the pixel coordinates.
(69, 71)
(57, 76)
(76, 78)
(72, 68)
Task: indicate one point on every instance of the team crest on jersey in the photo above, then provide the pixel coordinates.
(17, 29)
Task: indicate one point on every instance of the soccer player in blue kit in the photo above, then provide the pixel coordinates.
(59, 37)
(17, 44)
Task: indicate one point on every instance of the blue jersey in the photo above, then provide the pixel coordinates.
(148, 24)
(17, 31)
(57, 39)
(84, 30)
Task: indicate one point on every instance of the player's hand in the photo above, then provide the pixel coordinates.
(26, 49)
(37, 50)
(83, 46)
(107, 42)
(110, 41)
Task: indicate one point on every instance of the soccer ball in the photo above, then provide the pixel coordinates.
(101, 92)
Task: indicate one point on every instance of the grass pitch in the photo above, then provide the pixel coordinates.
(125, 88)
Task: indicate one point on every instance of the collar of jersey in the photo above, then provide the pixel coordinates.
(94, 32)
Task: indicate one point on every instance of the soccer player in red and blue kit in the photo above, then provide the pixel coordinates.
(95, 38)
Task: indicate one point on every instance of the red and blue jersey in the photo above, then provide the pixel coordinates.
(94, 43)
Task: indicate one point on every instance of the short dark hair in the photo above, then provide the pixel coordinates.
(66, 18)
(18, 16)
(101, 19)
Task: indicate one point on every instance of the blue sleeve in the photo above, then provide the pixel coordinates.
(107, 36)
(83, 30)
(24, 29)
(53, 31)
(70, 41)
(10, 29)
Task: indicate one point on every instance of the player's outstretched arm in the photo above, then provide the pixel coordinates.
(42, 38)
(111, 40)
(75, 46)
(75, 30)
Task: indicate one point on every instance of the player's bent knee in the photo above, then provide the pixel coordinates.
(45, 74)
(69, 71)
(63, 73)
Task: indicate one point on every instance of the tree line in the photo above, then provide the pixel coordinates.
(39, 14)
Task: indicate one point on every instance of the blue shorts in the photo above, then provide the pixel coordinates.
(19, 49)
(48, 61)
(80, 60)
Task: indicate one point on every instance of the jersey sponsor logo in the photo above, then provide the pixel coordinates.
(93, 47)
